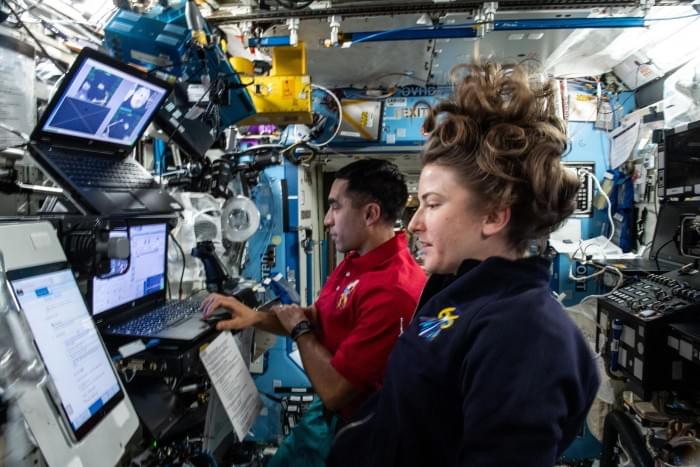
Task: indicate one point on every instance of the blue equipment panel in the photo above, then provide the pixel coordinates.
(147, 41)
(274, 248)
(162, 43)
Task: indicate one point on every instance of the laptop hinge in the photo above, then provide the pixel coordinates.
(84, 148)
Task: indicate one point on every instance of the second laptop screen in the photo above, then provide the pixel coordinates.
(145, 275)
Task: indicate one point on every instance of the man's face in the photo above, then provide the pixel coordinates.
(346, 224)
(139, 98)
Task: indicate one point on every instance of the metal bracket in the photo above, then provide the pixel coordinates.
(335, 28)
(487, 15)
(293, 25)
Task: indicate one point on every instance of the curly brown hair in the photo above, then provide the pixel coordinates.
(501, 137)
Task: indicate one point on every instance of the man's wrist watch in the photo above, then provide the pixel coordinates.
(301, 328)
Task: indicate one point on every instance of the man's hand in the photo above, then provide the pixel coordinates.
(289, 315)
(242, 316)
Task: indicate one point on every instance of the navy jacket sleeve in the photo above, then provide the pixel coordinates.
(517, 385)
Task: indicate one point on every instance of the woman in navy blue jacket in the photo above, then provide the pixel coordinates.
(491, 371)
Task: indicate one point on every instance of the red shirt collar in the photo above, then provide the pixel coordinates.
(380, 254)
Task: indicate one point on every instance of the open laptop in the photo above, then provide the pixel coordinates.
(80, 413)
(85, 385)
(133, 304)
(88, 131)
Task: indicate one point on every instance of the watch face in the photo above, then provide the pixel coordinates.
(302, 327)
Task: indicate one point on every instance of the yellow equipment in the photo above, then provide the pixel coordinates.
(283, 97)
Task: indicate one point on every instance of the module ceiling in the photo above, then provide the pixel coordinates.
(380, 64)
(273, 10)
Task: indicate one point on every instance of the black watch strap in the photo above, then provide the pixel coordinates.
(301, 328)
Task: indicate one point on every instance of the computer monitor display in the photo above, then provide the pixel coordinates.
(103, 103)
(682, 162)
(65, 335)
(144, 276)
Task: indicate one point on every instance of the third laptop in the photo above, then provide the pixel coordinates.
(86, 135)
(132, 302)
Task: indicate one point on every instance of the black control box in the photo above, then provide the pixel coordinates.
(684, 338)
(169, 361)
(634, 328)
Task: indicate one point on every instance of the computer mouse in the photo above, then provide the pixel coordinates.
(219, 315)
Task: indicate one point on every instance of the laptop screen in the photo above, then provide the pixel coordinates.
(145, 275)
(104, 103)
(69, 345)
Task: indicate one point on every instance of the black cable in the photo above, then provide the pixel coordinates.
(656, 255)
(21, 23)
(430, 63)
(619, 427)
(182, 274)
(673, 238)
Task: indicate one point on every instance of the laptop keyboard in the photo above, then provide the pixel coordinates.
(154, 321)
(103, 173)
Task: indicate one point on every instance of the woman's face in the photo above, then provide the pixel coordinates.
(448, 227)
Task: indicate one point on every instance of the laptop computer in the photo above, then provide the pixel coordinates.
(85, 386)
(133, 304)
(88, 131)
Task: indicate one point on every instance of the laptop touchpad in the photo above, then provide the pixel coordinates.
(125, 200)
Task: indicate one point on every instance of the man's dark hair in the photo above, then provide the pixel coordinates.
(379, 181)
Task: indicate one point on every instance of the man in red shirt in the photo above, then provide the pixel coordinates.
(345, 337)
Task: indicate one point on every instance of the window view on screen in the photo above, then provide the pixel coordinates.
(104, 103)
(146, 273)
(68, 342)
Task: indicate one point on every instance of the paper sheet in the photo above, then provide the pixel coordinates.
(622, 141)
(228, 373)
(17, 99)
